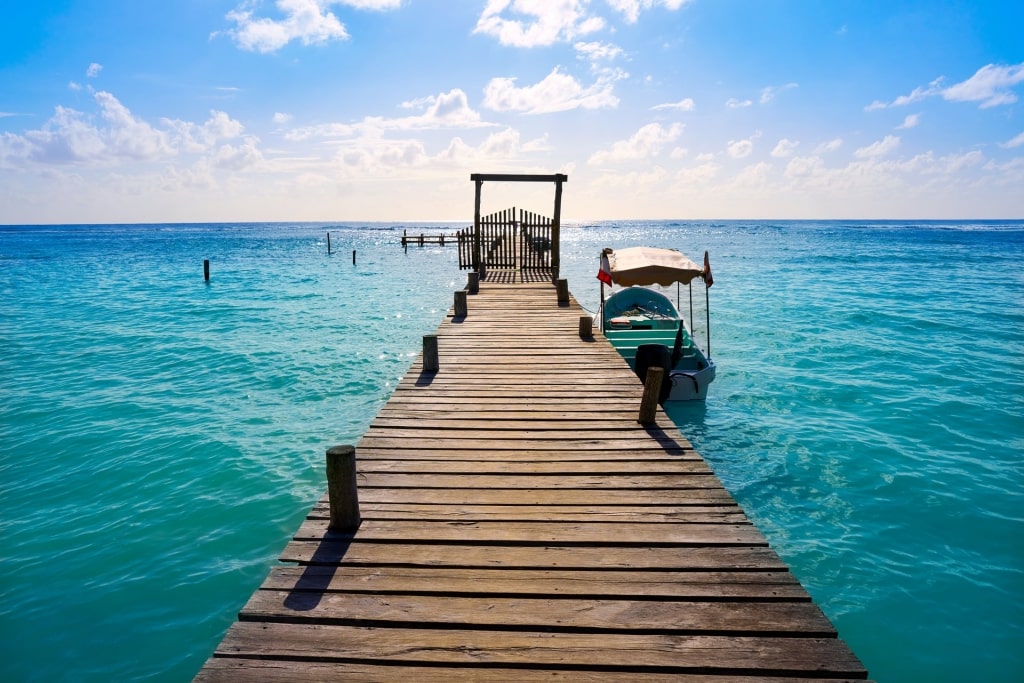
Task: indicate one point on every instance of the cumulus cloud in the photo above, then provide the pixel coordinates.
(447, 110)
(645, 143)
(631, 9)
(309, 21)
(556, 92)
(909, 122)
(685, 104)
(878, 149)
(1015, 142)
(535, 23)
(784, 148)
(991, 85)
(830, 146)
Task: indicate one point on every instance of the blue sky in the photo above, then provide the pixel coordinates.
(353, 110)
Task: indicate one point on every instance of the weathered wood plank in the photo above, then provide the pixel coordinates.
(567, 614)
(668, 653)
(669, 585)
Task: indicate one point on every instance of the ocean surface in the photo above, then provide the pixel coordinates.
(161, 437)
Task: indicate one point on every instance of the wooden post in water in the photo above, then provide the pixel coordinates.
(562, 285)
(652, 391)
(461, 306)
(473, 283)
(586, 327)
(431, 363)
(342, 488)
(206, 269)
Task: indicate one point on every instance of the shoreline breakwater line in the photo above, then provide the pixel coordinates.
(163, 438)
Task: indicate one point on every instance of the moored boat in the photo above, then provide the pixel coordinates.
(644, 325)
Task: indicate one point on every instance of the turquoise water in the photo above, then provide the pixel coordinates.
(162, 437)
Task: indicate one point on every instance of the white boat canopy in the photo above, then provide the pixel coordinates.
(647, 266)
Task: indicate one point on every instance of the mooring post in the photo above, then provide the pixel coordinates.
(652, 391)
(342, 488)
(473, 283)
(206, 269)
(431, 363)
(586, 327)
(461, 306)
(562, 285)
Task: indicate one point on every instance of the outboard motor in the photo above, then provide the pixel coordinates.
(655, 356)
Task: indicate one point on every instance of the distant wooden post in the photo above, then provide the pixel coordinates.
(586, 327)
(473, 283)
(206, 269)
(430, 358)
(562, 285)
(652, 391)
(461, 307)
(342, 488)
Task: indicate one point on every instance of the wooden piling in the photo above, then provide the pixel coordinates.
(652, 391)
(342, 489)
(562, 286)
(430, 357)
(461, 306)
(586, 327)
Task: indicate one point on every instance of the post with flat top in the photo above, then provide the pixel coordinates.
(431, 362)
(342, 489)
(562, 287)
(461, 307)
(652, 391)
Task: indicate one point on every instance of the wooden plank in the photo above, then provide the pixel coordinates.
(669, 585)
(356, 551)
(226, 669)
(723, 655)
(547, 614)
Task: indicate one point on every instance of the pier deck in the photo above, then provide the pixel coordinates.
(520, 525)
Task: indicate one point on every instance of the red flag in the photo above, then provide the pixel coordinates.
(605, 273)
(708, 280)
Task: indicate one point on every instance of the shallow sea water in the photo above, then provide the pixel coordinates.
(162, 437)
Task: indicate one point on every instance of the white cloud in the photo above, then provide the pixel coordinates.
(645, 143)
(785, 148)
(447, 110)
(909, 122)
(878, 149)
(598, 51)
(733, 103)
(1015, 142)
(309, 21)
(768, 94)
(632, 8)
(94, 70)
(686, 104)
(545, 22)
(557, 92)
(991, 85)
(830, 146)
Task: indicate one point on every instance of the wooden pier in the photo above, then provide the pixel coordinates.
(519, 524)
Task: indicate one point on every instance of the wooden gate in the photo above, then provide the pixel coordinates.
(508, 242)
